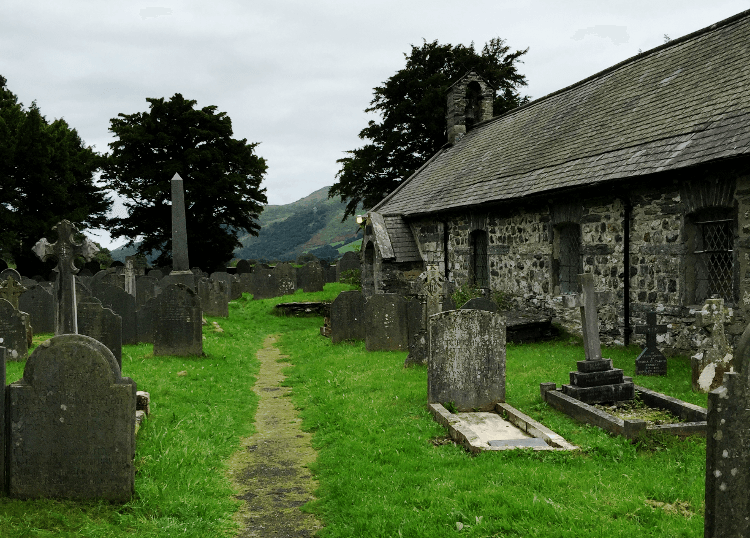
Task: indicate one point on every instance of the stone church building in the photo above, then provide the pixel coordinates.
(639, 174)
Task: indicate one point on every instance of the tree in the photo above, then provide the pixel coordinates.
(222, 178)
(47, 174)
(412, 105)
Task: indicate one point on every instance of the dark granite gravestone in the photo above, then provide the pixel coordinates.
(651, 361)
(84, 272)
(310, 277)
(330, 274)
(387, 328)
(727, 454)
(348, 317)
(122, 304)
(349, 261)
(147, 287)
(213, 295)
(38, 303)
(65, 249)
(72, 424)
(285, 277)
(595, 381)
(93, 267)
(8, 272)
(101, 324)
(243, 266)
(467, 359)
(13, 332)
(480, 303)
(178, 328)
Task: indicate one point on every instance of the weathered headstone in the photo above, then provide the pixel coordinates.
(38, 303)
(651, 361)
(310, 277)
(101, 324)
(727, 455)
(180, 265)
(112, 277)
(715, 357)
(226, 278)
(72, 424)
(11, 289)
(213, 295)
(263, 283)
(285, 277)
(386, 323)
(178, 328)
(235, 292)
(65, 249)
(330, 274)
(466, 366)
(348, 262)
(156, 273)
(122, 304)
(147, 287)
(419, 334)
(348, 317)
(596, 380)
(13, 332)
(145, 321)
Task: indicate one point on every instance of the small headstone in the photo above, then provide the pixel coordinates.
(122, 304)
(651, 361)
(348, 317)
(386, 323)
(285, 276)
(310, 277)
(38, 303)
(13, 335)
(349, 261)
(243, 266)
(178, 328)
(727, 454)
(330, 274)
(466, 366)
(72, 424)
(715, 356)
(213, 295)
(245, 283)
(101, 324)
(480, 303)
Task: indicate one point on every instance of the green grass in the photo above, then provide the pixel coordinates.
(379, 472)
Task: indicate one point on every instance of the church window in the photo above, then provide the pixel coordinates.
(480, 274)
(714, 250)
(569, 260)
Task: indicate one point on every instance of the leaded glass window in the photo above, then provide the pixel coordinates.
(479, 259)
(569, 261)
(715, 250)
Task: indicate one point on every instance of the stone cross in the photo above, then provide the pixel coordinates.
(651, 329)
(589, 317)
(651, 361)
(10, 290)
(65, 249)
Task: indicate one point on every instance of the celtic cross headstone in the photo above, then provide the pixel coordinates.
(11, 290)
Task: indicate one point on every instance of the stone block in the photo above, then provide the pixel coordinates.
(594, 379)
(602, 393)
(594, 366)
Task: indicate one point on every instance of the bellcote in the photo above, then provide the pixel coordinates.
(469, 102)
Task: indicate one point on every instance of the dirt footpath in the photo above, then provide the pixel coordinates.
(271, 469)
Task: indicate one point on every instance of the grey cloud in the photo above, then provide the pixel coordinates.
(618, 34)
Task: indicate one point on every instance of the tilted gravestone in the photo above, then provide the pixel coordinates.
(727, 454)
(651, 361)
(178, 328)
(310, 277)
(715, 357)
(348, 317)
(122, 304)
(285, 277)
(213, 295)
(101, 324)
(72, 424)
(386, 323)
(348, 262)
(466, 366)
(13, 335)
(38, 303)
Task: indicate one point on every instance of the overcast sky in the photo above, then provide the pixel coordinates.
(297, 75)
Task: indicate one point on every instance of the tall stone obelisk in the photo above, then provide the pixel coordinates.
(181, 272)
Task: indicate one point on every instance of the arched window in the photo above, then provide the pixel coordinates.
(480, 274)
(568, 255)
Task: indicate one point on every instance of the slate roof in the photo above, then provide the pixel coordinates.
(402, 240)
(683, 103)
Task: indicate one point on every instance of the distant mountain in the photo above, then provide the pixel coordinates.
(311, 224)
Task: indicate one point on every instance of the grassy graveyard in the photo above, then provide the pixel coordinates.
(384, 466)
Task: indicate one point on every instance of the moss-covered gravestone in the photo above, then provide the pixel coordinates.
(71, 424)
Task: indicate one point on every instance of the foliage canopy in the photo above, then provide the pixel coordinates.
(412, 105)
(222, 178)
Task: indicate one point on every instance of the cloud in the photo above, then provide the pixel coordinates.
(618, 34)
(147, 12)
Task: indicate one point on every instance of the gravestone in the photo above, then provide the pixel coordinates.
(349, 261)
(11, 289)
(236, 290)
(84, 272)
(715, 357)
(226, 278)
(145, 321)
(156, 273)
(93, 267)
(101, 324)
(180, 265)
(10, 272)
(178, 328)
(387, 328)
(348, 317)
(310, 277)
(65, 249)
(419, 334)
(37, 302)
(13, 334)
(595, 381)
(82, 290)
(480, 303)
(112, 278)
(651, 361)
(213, 296)
(243, 266)
(263, 283)
(147, 287)
(466, 366)
(122, 304)
(285, 277)
(727, 454)
(28, 282)
(72, 424)
(330, 274)
(245, 284)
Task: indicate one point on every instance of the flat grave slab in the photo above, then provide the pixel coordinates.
(506, 428)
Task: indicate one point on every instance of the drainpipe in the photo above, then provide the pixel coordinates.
(445, 249)
(627, 215)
